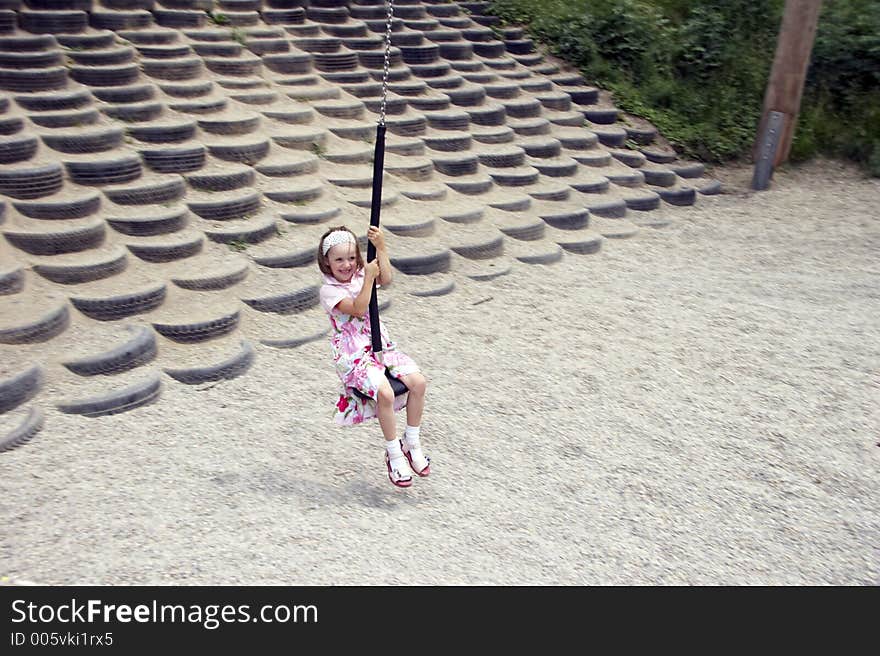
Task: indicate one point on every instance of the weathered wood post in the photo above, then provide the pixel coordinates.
(785, 87)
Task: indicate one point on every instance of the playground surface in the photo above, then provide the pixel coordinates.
(695, 405)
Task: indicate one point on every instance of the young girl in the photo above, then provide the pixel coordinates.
(345, 296)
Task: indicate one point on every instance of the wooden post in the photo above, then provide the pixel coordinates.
(786, 84)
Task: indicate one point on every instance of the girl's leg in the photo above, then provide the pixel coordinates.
(398, 469)
(414, 406)
(385, 411)
(415, 403)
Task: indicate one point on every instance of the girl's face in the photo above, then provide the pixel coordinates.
(342, 260)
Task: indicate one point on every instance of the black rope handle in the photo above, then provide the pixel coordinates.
(378, 169)
(375, 205)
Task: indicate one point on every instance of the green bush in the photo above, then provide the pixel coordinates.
(840, 110)
(698, 69)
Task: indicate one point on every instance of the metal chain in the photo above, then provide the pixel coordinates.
(390, 5)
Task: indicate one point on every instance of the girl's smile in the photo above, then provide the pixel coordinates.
(342, 260)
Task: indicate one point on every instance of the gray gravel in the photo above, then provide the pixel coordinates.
(695, 405)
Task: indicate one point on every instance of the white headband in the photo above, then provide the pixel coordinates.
(335, 238)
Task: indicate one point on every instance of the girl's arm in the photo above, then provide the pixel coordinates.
(357, 306)
(375, 235)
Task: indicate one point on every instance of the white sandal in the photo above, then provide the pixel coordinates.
(419, 463)
(395, 476)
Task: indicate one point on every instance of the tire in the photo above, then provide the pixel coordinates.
(120, 20)
(170, 189)
(530, 127)
(551, 257)
(168, 252)
(212, 283)
(252, 233)
(645, 202)
(30, 426)
(111, 308)
(178, 19)
(227, 208)
(56, 243)
(223, 181)
(542, 147)
(230, 368)
(20, 388)
(93, 142)
(241, 66)
(518, 177)
(583, 95)
(53, 102)
(133, 396)
(139, 350)
(482, 251)
(614, 209)
(292, 16)
(152, 37)
(286, 303)
(111, 57)
(572, 220)
(51, 324)
(134, 113)
(465, 164)
(105, 172)
(96, 41)
(244, 153)
(454, 120)
(199, 331)
(35, 79)
(598, 186)
(53, 22)
(167, 133)
(45, 59)
(185, 68)
(125, 95)
(407, 126)
(164, 51)
(27, 42)
(149, 226)
(489, 115)
(11, 282)
(85, 116)
(680, 196)
(692, 170)
(294, 342)
(583, 141)
(660, 177)
(268, 47)
(423, 265)
(105, 76)
(631, 158)
(78, 273)
(187, 89)
(503, 157)
(583, 246)
(556, 169)
(225, 126)
(174, 160)
(285, 169)
(17, 149)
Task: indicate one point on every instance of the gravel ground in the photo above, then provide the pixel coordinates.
(695, 405)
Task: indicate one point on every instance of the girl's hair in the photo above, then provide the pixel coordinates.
(323, 266)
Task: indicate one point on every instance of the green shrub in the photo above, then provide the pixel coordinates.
(698, 69)
(840, 110)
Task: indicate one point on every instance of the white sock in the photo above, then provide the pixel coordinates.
(393, 448)
(411, 435)
(396, 458)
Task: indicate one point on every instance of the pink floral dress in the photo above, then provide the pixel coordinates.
(356, 364)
